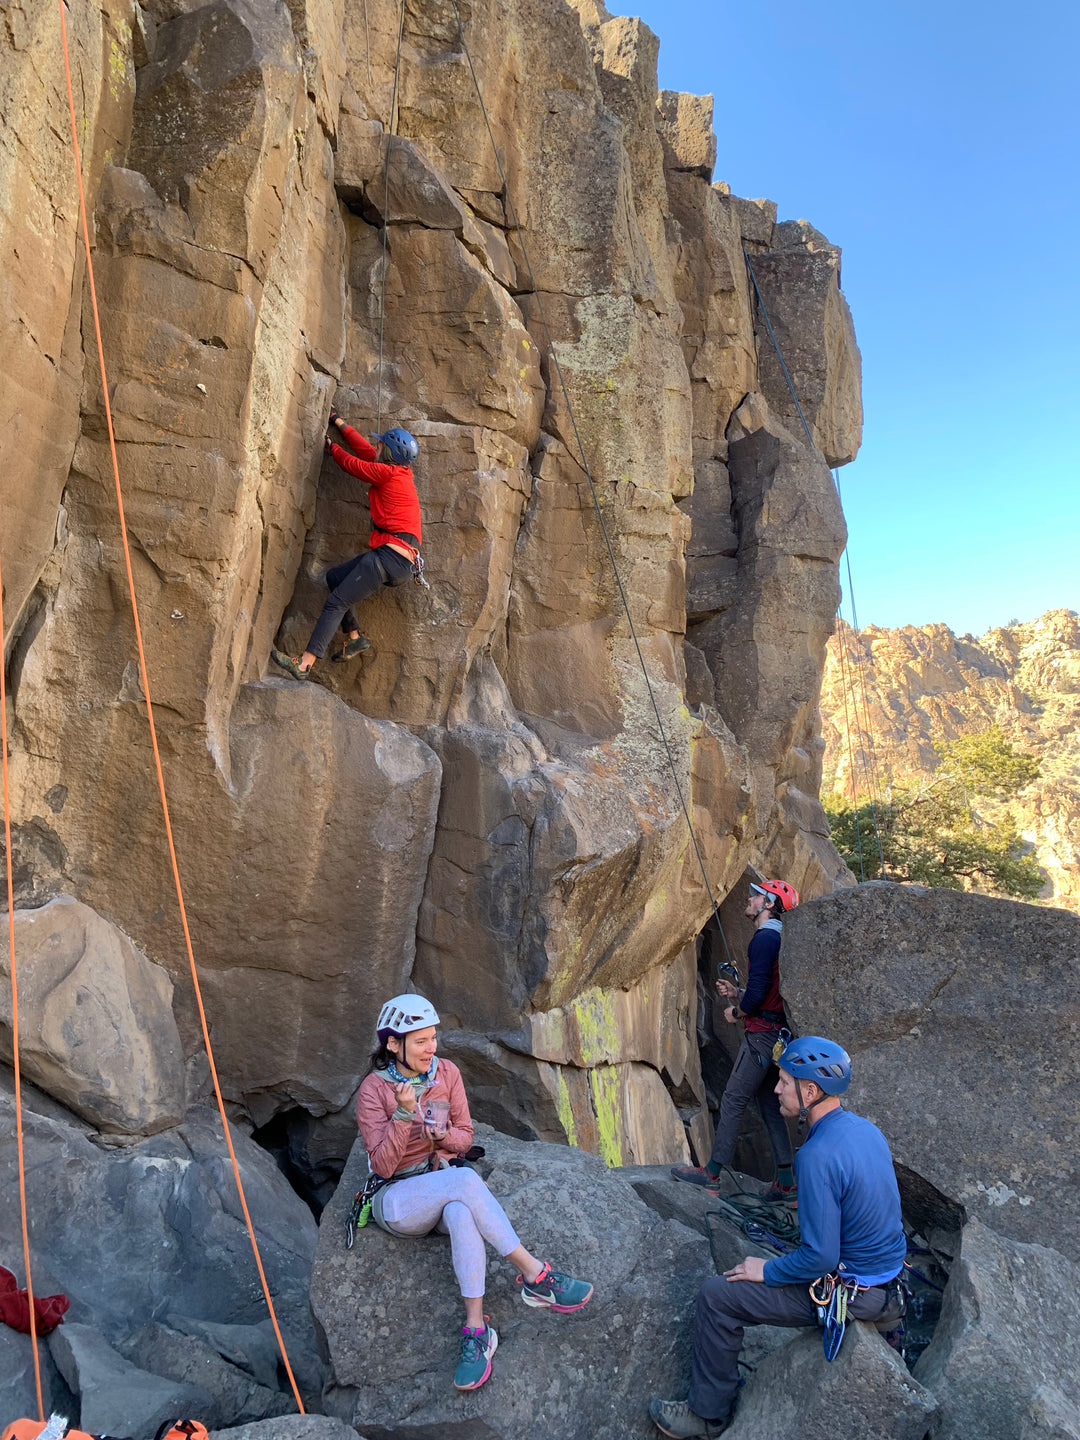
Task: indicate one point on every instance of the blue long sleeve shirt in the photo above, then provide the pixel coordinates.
(762, 977)
(849, 1206)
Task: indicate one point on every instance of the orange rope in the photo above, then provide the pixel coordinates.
(150, 717)
(15, 1012)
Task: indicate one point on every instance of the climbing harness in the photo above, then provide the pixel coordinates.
(144, 677)
(414, 554)
(831, 1294)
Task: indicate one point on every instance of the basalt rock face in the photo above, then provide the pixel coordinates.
(484, 806)
(946, 1004)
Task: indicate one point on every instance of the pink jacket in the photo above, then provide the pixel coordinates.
(394, 1145)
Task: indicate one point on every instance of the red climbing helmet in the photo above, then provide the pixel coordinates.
(785, 893)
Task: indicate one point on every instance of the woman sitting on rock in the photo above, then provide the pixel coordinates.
(410, 1140)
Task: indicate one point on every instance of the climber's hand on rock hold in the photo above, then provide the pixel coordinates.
(752, 1268)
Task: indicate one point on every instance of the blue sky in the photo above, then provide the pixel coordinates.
(938, 145)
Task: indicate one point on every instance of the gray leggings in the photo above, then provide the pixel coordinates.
(456, 1202)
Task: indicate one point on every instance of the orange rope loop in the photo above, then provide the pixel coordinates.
(150, 717)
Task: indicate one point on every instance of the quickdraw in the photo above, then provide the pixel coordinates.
(414, 555)
(831, 1294)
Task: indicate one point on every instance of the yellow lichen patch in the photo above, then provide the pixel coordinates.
(604, 1084)
(564, 1107)
(597, 1026)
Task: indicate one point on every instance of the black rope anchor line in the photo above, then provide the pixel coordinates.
(535, 292)
(816, 451)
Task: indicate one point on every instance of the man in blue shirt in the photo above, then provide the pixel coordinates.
(849, 1218)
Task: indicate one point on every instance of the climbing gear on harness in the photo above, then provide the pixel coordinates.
(401, 445)
(785, 893)
(360, 1213)
(783, 1040)
(409, 542)
(477, 1348)
(830, 1294)
(552, 1290)
(291, 664)
(404, 1014)
(352, 647)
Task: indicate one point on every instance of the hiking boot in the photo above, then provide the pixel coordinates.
(782, 1194)
(695, 1175)
(553, 1291)
(675, 1418)
(477, 1348)
(351, 648)
(289, 663)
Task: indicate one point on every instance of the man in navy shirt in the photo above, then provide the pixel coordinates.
(849, 1217)
(761, 1008)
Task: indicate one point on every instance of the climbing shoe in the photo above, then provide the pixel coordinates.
(552, 1291)
(477, 1348)
(695, 1175)
(782, 1194)
(352, 647)
(290, 663)
(675, 1418)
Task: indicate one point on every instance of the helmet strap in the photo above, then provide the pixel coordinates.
(804, 1109)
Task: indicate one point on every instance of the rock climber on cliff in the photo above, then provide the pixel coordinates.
(849, 1262)
(761, 1007)
(393, 556)
(415, 1122)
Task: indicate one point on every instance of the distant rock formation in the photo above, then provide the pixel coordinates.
(889, 696)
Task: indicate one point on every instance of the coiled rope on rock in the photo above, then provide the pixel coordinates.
(535, 293)
(145, 679)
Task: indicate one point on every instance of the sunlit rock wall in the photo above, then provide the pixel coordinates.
(484, 806)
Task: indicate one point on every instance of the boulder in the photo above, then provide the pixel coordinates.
(154, 1228)
(96, 1027)
(866, 1391)
(919, 986)
(114, 1395)
(17, 1384)
(234, 1395)
(587, 1374)
(1005, 1357)
(290, 1427)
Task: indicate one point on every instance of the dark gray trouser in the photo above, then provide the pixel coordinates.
(355, 580)
(752, 1077)
(725, 1306)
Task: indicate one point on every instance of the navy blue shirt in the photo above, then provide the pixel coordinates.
(763, 976)
(849, 1206)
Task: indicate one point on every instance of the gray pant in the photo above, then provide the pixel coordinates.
(725, 1306)
(752, 1077)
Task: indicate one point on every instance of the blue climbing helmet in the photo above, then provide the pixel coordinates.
(824, 1062)
(403, 448)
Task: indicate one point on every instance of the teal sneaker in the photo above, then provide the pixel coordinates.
(553, 1291)
(477, 1348)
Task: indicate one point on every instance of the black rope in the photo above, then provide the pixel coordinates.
(814, 448)
(386, 210)
(588, 476)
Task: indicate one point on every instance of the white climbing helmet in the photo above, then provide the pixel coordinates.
(404, 1014)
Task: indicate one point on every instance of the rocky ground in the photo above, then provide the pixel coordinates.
(922, 685)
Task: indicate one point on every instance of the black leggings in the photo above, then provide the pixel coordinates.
(353, 581)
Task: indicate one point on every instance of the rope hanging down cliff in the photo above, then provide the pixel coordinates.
(535, 293)
(15, 1009)
(145, 680)
(815, 450)
(386, 210)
